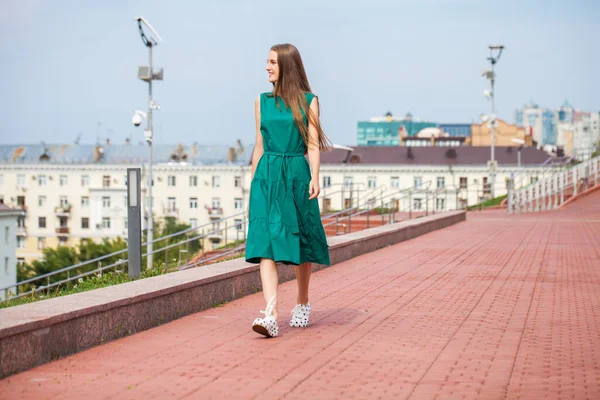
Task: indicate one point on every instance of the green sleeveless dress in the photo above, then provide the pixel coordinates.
(284, 225)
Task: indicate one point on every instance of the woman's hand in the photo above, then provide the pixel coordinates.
(314, 189)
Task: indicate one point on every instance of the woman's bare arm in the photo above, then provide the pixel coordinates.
(258, 146)
(314, 153)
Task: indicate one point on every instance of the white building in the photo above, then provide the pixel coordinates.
(586, 134)
(8, 246)
(72, 192)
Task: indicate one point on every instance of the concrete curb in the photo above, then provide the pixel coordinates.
(36, 333)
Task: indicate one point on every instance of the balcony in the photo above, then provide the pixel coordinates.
(21, 231)
(171, 212)
(62, 231)
(214, 236)
(63, 211)
(215, 212)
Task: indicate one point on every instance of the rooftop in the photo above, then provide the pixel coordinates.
(462, 155)
(120, 154)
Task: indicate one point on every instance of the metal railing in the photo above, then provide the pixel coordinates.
(177, 252)
(553, 189)
(117, 260)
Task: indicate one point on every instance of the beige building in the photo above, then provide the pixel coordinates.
(504, 133)
(68, 193)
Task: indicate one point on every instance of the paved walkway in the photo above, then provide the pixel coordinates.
(492, 308)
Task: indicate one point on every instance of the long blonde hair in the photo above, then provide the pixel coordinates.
(291, 88)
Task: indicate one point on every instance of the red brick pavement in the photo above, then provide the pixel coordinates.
(495, 307)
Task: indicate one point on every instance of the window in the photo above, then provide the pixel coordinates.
(193, 202)
(416, 204)
(85, 201)
(20, 180)
(62, 240)
(193, 222)
(64, 180)
(533, 179)
(193, 181)
(441, 182)
(106, 181)
(486, 186)
(106, 223)
(20, 242)
(85, 180)
(238, 204)
(21, 222)
(238, 224)
(85, 223)
(395, 182)
(216, 202)
(372, 181)
(171, 204)
(463, 182)
(105, 202)
(216, 181)
(42, 180)
(347, 181)
(20, 261)
(237, 181)
(41, 201)
(6, 265)
(171, 180)
(125, 223)
(326, 181)
(439, 204)
(41, 243)
(64, 202)
(21, 201)
(41, 222)
(417, 182)
(6, 234)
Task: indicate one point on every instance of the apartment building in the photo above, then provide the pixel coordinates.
(8, 259)
(71, 192)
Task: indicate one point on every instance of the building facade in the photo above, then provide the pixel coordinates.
(68, 194)
(456, 130)
(388, 130)
(504, 134)
(538, 122)
(585, 134)
(9, 230)
(63, 202)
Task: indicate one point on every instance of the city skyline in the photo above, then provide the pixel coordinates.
(72, 68)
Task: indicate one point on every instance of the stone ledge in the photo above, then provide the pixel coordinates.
(32, 334)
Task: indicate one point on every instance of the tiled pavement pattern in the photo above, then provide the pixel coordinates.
(491, 308)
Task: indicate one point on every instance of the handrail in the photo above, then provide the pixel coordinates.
(549, 192)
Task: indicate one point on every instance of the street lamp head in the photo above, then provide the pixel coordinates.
(487, 94)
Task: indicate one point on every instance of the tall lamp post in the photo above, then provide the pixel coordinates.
(148, 74)
(490, 74)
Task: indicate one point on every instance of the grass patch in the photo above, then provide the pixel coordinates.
(488, 203)
(91, 282)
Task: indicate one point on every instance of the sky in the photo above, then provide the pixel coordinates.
(69, 68)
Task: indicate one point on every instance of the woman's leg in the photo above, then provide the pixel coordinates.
(303, 278)
(270, 280)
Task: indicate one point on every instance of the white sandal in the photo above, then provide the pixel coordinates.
(267, 326)
(300, 316)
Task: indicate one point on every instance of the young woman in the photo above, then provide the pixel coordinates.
(284, 219)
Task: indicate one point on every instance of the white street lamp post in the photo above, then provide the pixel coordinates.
(149, 74)
(491, 95)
